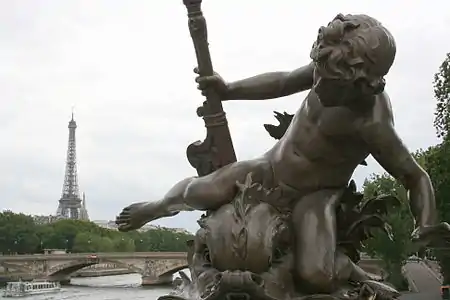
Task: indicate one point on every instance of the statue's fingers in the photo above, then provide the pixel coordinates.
(204, 84)
(202, 80)
(206, 79)
(119, 222)
(196, 70)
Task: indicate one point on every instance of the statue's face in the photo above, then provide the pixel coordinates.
(333, 92)
(339, 92)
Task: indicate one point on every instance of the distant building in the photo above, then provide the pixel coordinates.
(106, 224)
(41, 220)
(180, 230)
(112, 225)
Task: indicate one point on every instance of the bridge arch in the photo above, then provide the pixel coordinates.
(173, 270)
(69, 268)
(73, 266)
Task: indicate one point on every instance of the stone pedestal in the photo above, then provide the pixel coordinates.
(153, 281)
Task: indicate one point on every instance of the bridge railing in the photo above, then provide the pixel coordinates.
(155, 255)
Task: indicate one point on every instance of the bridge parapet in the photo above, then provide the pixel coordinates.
(118, 255)
(155, 268)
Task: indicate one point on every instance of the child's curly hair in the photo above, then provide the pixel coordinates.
(354, 48)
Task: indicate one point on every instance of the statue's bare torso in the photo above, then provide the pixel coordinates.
(322, 147)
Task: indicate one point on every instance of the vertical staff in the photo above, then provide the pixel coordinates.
(217, 149)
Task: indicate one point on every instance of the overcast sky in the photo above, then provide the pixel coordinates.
(126, 66)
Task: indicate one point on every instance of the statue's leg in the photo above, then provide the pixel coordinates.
(346, 270)
(218, 188)
(202, 193)
(314, 221)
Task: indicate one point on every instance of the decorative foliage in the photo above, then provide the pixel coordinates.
(277, 131)
(249, 195)
(357, 217)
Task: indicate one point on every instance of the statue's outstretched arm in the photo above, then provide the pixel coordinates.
(272, 85)
(390, 152)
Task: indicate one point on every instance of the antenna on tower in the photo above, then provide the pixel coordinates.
(73, 108)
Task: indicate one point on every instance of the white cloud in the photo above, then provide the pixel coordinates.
(127, 68)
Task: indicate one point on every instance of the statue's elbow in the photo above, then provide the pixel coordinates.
(419, 179)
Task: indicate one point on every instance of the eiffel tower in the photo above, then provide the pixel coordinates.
(71, 205)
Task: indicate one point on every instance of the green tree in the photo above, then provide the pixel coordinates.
(105, 244)
(438, 167)
(442, 94)
(124, 244)
(86, 242)
(437, 160)
(393, 252)
(17, 233)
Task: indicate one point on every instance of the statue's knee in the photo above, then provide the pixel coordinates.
(204, 195)
(196, 195)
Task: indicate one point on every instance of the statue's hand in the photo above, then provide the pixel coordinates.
(424, 235)
(132, 217)
(214, 82)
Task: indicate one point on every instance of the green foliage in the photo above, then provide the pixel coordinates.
(395, 250)
(442, 94)
(438, 157)
(438, 167)
(19, 234)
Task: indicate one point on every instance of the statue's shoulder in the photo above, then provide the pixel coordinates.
(381, 111)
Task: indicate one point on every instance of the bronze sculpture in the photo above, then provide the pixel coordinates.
(294, 223)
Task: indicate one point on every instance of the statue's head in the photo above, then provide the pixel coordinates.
(351, 56)
(248, 233)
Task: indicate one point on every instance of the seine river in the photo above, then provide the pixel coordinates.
(119, 287)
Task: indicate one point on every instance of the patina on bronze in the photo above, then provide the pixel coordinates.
(289, 225)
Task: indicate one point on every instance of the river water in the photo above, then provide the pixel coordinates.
(120, 287)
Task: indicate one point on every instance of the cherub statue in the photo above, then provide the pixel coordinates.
(345, 117)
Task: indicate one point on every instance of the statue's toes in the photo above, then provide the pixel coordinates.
(125, 227)
(123, 219)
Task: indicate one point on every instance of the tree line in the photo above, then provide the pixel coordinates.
(436, 161)
(20, 234)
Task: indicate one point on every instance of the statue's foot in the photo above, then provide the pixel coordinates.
(372, 290)
(369, 276)
(137, 215)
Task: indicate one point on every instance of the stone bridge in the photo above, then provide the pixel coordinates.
(155, 267)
